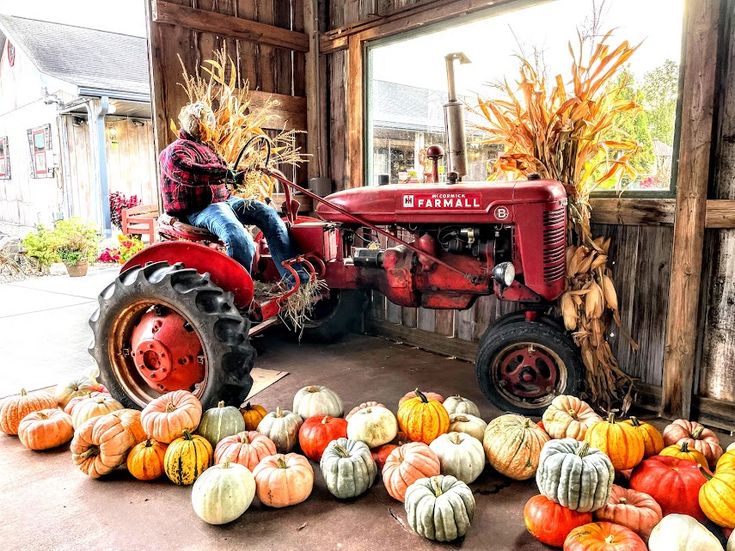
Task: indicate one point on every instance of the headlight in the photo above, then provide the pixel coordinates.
(504, 273)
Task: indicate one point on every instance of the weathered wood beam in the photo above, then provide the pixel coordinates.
(288, 112)
(316, 82)
(227, 25)
(700, 71)
(355, 120)
(720, 213)
(633, 211)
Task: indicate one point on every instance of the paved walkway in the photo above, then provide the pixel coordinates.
(43, 329)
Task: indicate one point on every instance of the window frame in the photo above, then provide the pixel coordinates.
(7, 174)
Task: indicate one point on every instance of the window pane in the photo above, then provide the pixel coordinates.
(407, 81)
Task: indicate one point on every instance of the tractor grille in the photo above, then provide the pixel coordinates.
(555, 227)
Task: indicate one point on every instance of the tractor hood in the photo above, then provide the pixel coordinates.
(465, 203)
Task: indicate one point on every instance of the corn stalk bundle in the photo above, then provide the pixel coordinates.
(559, 131)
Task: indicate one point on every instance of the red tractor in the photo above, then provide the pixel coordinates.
(181, 312)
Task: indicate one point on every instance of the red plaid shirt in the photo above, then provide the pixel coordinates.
(192, 176)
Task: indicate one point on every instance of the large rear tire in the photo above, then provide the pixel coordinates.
(206, 309)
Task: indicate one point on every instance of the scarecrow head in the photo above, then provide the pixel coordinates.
(197, 120)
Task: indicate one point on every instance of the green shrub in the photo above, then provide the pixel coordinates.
(40, 245)
(71, 241)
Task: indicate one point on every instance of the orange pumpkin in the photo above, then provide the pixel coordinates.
(415, 394)
(79, 386)
(100, 445)
(682, 451)
(45, 429)
(727, 461)
(145, 460)
(717, 497)
(252, 414)
(71, 404)
(622, 443)
(167, 417)
(93, 407)
(246, 448)
(632, 509)
(130, 419)
(422, 419)
(405, 465)
(603, 536)
(14, 408)
(569, 417)
(697, 436)
(653, 441)
(283, 480)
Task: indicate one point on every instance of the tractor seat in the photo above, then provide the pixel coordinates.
(170, 227)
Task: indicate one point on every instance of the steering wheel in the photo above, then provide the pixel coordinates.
(259, 138)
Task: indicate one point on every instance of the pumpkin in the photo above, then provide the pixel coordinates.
(348, 468)
(622, 443)
(469, 424)
(726, 461)
(682, 533)
(440, 508)
(246, 448)
(422, 419)
(167, 417)
(632, 509)
(381, 453)
(100, 445)
(697, 436)
(513, 445)
(317, 432)
(574, 475)
(374, 425)
(674, 483)
(45, 429)
(731, 540)
(682, 451)
(220, 421)
(317, 401)
(186, 458)
(14, 408)
(569, 417)
(731, 448)
(145, 461)
(94, 407)
(223, 493)
(717, 498)
(130, 419)
(458, 404)
(71, 404)
(78, 386)
(405, 465)
(363, 405)
(252, 414)
(283, 480)
(603, 536)
(549, 522)
(460, 455)
(415, 394)
(653, 441)
(282, 427)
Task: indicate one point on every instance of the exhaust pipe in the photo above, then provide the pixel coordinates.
(454, 122)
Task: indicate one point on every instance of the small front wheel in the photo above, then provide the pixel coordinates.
(521, 365)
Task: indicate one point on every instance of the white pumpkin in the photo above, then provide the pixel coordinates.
(282, 427)
(460, 455)
(78, 386)
(440, 508)
(312, 401)
(731, 541)
(88, 408)
(731, 448)
(362, 406)
(457, 404)
(374, 425)
(469, 424)
(223, 493)
(682, 533)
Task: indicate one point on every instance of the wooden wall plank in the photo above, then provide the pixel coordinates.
(355, 113)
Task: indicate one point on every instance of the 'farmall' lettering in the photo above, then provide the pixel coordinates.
(450, 201)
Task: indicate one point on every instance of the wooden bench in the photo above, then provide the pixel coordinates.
(140, 220)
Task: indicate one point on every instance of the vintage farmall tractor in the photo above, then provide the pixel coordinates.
(181, 312)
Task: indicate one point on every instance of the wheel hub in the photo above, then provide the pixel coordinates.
(166, 351)
(528, 372)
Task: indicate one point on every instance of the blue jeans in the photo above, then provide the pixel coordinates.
(227, 221)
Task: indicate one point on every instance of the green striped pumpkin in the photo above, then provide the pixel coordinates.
(220, 422)
(186, 458)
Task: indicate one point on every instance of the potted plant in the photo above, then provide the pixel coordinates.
(76, 244)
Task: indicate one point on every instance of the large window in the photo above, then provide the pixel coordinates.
(406, 81)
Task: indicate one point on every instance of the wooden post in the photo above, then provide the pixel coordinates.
(700, 52)
(355, 112)
(316, 82)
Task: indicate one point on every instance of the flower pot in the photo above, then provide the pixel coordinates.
(77, 270)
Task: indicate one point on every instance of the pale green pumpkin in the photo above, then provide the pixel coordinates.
(219, 422)
(223, 493)
(458, 404)
(682, 533)
(440, 508)
(348, 468)
(282, 426)
(460, 455)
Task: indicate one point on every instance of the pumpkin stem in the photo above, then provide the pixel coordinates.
(90, 452)
(312, 389)
(221, 404)
(341, 451)
(281, 463)
(225, 464)
(573, 414)
(704, 472)
(278, 411)
(584, 449)
(421, 395)
(248, 406)
(460, 418)
(697, 433)
(623, 501)
(148, 442)
(685, 446)
(610, 539)
(436, 485)
(23, 392)
(325, 420)
(611, 417)
(454, 437)
(635, 421)
(41, 415)
(170, 407)
(187, 434)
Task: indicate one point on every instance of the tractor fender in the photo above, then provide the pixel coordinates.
(225, 272)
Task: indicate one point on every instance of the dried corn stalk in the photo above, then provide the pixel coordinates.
(559, 131)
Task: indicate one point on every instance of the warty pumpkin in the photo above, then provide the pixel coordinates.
(697, 437)
(603, 536)
(677, 532)
(575, 475)
(469, 424)
(549, 522)
(405, 465)
(569, 417)
(348, 468)
(682, 451)
(458, 404)
(653, 440)
(100, 445)
(282, 427)
(145, 461)
(415, 394)
(513, 445)
(93, 407)
(717, 497)
(283, 480)
(223, 493)
(632, 509)
(440, 508)
(252, 414)
(167, 417)
(422, 419)
(460, 455)
(374, 425)
(14, 408)
(220, 421)
(78, 386)
(622, 443)
(316, 433)
(45, 429)
(315, 400)
(186, 458)
(371, 403)
(246, 448)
